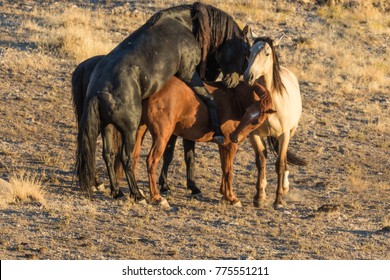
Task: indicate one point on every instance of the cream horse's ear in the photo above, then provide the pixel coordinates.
(277, 42)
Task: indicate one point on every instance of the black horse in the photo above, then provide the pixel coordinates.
(80, 80)
(172, 42)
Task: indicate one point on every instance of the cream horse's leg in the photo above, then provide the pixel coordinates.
(286, 184)
(281, 170)
(259, 148)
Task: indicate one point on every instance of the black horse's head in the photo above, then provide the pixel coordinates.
(232, 58)
(217, 33)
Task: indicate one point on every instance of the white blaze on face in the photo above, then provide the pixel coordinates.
(254, 115)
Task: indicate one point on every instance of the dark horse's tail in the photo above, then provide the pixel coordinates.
(86, 145)
(291, 158)
(78, 92)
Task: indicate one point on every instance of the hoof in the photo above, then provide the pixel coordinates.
(165, 189)
(258, 203)
(279, 206)
(198, 196)
(117, 194)
(165, 192)
(196, 192)
(219, 139)
(142, 202)
(99, 186)
(236, 203)
(259, 200)
(163, 203)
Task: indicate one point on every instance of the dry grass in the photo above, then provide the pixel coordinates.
(73, 32)
(24, 188)
(21, 63)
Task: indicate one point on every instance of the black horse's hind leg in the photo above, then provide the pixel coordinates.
(167, 160)
(189, 157)
(129, 131)
(109, 158)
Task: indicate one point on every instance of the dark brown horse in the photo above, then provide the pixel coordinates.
(175, 109)
(171, 43)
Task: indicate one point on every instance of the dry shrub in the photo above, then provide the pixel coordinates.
(26, 188)
(352, 12)
(74, 32)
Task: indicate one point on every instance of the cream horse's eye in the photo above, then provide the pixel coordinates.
(267, 54)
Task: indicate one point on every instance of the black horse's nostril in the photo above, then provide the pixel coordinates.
(248, 77)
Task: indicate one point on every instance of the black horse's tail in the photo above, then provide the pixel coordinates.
(291, 158)
(78, 94)
(86, 145)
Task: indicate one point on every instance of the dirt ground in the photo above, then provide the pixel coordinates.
(338, 205)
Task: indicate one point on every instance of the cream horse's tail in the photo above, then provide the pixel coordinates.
(291, 158)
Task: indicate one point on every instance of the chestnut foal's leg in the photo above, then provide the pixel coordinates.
(141, 132)
(156, 152)
(227, 154)
(260, 151)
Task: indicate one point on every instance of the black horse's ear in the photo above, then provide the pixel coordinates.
(247, 31)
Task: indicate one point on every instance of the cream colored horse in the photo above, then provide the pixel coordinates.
(263, 66)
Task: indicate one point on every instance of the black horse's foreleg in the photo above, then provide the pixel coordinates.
(167, 160)
(208, 99)
(195, 82)
(189, 157)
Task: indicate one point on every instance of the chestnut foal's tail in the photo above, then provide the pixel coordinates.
(291, 158)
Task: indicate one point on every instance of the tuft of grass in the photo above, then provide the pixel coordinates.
(26, 188)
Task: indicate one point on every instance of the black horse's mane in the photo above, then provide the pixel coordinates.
(277, 79)
(212, 28)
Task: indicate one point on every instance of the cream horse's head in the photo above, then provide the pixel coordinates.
(262, 59)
